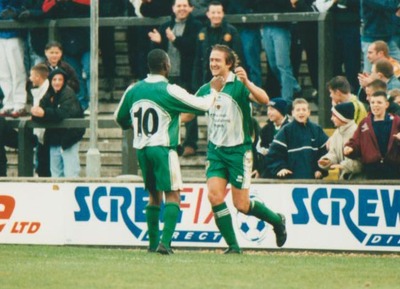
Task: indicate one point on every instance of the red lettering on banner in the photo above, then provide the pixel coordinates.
(198, 206)
(27, 227)
(7, 205)
(186, 190)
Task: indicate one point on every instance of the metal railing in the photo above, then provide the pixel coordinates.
(129, 166)
(26, 146)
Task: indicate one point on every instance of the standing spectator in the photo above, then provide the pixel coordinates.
(377, 141)
(229, 155)
(156, 142)
(54, 60)
(340, 91)
(12, 69)
(277, 118)
(296, 149)
(217, 31)
(378, 23)
(277, 43)
(343, 119)
(58, 104)
(383, 70)
(139, 44)
(109, 8)
(40, 84)
(394, 95)
(379, 85)
(75, 41)
(177, 37)
(378, 50)
(37, 37)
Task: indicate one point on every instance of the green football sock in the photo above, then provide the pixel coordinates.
(171, 212)
(153, 218)
(260, 211)
(223, 220)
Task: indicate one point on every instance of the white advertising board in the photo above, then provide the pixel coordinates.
(318, 216)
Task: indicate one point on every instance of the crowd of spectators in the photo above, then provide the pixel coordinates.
(366, 63)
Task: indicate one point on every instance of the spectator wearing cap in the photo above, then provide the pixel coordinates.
(277, 118)
(343, 120)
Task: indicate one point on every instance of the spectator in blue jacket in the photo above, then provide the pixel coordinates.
(296, 149)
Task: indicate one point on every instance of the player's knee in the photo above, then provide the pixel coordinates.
(215, 198)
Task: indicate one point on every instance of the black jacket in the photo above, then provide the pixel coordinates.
(186, 45)
(227, 35)
(57, 107)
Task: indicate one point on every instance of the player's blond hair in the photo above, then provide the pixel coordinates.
(230, 55)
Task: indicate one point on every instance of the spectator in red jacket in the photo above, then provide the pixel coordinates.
(377, 141)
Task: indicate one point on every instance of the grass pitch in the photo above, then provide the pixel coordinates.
(59, 267)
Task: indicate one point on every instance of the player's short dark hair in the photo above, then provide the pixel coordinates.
(157, 60)
(339, 83)
(230, 55)
(377, 84)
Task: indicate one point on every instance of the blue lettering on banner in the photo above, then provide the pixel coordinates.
(384, 240)
(367, 205)
(120, 201)
(121, 204)
(193, 236)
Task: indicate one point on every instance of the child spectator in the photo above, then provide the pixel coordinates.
(58, 104)
(40, 85)
(296, 149)
(277, 118)
(377, 141)
(343, 119)
(54, 53)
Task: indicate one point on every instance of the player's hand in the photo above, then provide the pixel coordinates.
(294, 3)
(217, 83)
(170, 35)
(155, 36)
(324, 162)
(397, 136)
(284, 172)
(241, 73)
(347, 150)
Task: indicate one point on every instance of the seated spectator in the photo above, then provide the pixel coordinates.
(54, 60)
(9, 138)
(58, 104)
(343, 119)
(377, 141)
(40, 85)
(296, 149)
(340, 91)
(277, 118)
